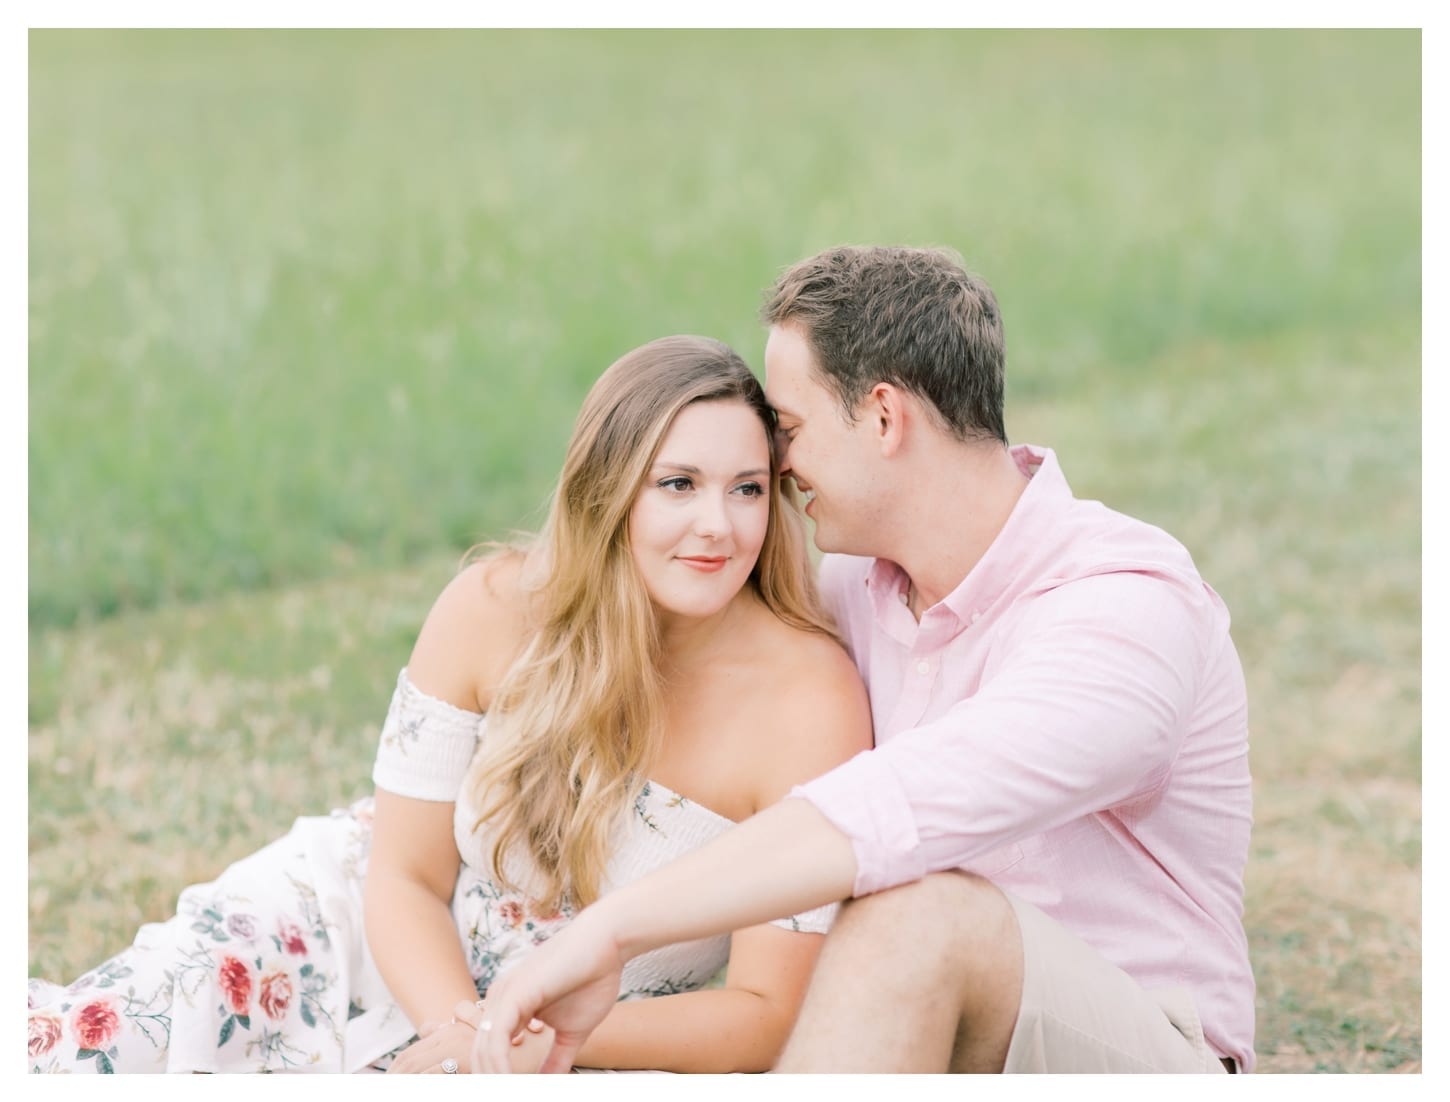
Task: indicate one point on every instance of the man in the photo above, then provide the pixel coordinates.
(1046, 847)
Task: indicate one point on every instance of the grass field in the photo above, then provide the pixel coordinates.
(310, 313)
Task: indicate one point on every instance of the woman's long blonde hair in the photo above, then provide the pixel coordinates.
(576, 723)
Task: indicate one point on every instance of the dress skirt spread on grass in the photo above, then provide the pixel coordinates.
(267, 967)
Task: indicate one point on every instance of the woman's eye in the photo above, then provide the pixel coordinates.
(679, 484)
(750, 489)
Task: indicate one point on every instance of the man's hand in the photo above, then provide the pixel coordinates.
(571, 983)
(530, 1047)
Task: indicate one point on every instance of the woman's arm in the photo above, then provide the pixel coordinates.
(739, 1027)
(411, 873)
(414, 862)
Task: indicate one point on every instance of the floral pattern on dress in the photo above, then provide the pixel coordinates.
(259, 970)
(502, 924)
(266, 968)
(641, 807)
(408, 732)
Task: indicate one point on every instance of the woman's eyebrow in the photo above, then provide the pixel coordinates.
(686, 468)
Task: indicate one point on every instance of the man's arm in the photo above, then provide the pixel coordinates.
(787, 859)
(1086, 710)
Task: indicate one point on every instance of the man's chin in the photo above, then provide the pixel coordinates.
(835, 543)
(824, 541)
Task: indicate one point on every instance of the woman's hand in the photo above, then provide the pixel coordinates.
(450, 1041)
(454, 1040)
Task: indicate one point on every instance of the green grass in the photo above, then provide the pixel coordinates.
(372, 273)
(310, 313)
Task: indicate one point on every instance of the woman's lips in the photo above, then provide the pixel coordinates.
(704, 564)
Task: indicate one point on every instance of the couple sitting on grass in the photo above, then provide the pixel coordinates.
(640, 749)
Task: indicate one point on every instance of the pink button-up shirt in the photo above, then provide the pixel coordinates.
(1071, 723)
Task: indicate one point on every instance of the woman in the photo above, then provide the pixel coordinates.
(654, 667)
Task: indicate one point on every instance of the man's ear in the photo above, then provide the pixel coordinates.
(886, 409)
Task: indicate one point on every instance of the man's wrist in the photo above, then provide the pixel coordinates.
(621, 925)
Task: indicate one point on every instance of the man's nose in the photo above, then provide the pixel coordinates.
(782, 453)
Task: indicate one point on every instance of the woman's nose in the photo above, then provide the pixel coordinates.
(711, 518)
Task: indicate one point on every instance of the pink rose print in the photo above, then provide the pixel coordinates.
(44, 1033)
(543, 913)
(235, 980)
(291, 935)
(275, 994)
(94, 1024)
(511, 912)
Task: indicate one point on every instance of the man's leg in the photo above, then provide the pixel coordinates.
(926, 977)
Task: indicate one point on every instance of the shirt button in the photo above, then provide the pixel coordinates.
(923, 667)
(976, 616)
(905, 597)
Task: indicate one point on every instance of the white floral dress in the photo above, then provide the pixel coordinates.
(267, 967)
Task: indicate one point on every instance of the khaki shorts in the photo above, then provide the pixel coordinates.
(1081, 1014)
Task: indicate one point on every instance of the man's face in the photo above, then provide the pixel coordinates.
(829, 457)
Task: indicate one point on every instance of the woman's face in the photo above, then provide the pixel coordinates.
(699, 519)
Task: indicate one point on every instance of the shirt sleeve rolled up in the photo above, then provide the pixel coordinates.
(1085, 710)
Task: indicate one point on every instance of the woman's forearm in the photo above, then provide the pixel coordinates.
(415, 945)
(713, 1031)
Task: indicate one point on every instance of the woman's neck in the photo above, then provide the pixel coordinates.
(687, 642)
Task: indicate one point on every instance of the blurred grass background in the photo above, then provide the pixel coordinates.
(311, 312)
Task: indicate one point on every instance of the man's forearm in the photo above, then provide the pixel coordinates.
(787, 859)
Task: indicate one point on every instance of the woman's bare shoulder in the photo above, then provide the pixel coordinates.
(473, 632)
(811, 710)
(808, 657)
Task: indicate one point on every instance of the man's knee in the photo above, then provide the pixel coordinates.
(950, 913)
(941, 956)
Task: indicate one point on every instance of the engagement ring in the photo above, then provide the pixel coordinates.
(449, 1066)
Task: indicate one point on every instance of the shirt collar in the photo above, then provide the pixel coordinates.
(1028, 529)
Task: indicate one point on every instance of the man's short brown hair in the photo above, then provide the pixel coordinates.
(915, 318)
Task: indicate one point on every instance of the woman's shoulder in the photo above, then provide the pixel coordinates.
(473, 632)
(810, 660)
(810, 711)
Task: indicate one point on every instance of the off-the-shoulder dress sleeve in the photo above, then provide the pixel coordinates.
(426, 745)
